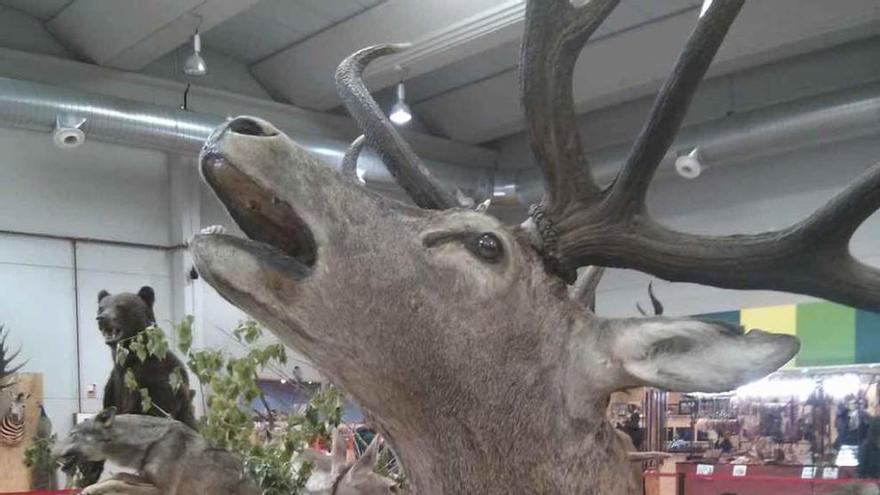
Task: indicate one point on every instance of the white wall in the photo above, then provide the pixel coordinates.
(98, 191)
(37, 306)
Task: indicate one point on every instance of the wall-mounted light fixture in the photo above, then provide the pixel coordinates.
(689, 166)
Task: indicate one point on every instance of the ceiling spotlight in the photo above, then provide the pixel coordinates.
(689, 166)
(195, 65)
(400, 112)
(283, 381)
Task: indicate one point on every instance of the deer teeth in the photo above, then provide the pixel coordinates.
(214, 229)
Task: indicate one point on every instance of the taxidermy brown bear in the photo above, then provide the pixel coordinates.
(121, 317)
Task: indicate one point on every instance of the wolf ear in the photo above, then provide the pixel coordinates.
(369, 458)
(102, 295)
(146, 293)
(106, 417)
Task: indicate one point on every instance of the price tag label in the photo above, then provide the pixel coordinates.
(705, 469)
(808, 473)
(740, 470)
(830, 473)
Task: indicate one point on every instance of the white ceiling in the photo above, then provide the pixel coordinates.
(461, 75)
(41, 9)
(273, 25)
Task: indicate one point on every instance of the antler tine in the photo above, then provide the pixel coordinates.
(658, 306)
(555, 33)
(350, 160)
(585, 287)
(627, 195)
(812, 257)
(399, 157)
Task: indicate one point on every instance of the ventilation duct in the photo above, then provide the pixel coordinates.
(767, 131)
(38, 107)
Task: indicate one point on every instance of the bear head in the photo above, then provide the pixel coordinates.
(124, 315)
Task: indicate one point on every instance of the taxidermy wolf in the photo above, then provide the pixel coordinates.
(121, 317)
(170, 457)
(456, 333)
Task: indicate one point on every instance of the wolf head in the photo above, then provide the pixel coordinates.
(88, 441)
(124, 315)
(333, 474)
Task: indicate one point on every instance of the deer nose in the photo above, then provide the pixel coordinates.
(250, 127)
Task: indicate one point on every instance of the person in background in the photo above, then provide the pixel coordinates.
(632, 427)
(869, 451)
(724, 443)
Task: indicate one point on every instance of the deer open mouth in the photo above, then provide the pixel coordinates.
(266, 219)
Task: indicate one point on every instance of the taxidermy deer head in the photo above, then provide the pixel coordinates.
(457, 334)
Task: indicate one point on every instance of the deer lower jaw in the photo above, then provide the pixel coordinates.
(273, 227)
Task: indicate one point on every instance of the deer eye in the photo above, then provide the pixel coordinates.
(488, 247)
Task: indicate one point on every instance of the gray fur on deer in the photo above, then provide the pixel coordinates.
(457, 333)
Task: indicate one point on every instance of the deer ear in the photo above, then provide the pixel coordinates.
(688, 355)
(146, 293)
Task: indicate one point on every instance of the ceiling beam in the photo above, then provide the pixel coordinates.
(441, 31)
(129, 34)
(634, 63)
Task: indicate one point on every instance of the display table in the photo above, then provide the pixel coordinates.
(701, 478)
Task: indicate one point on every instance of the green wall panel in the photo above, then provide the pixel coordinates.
(867, 337)
(827, 332)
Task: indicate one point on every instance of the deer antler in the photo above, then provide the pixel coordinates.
(578, 224)
(555, 33)
(655, 303)
(584, 290)
(5, 361)
(380, 134)
(350, 160)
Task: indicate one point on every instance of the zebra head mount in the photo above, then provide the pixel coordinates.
(456, 333)
(12, 423)
(18, 406)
